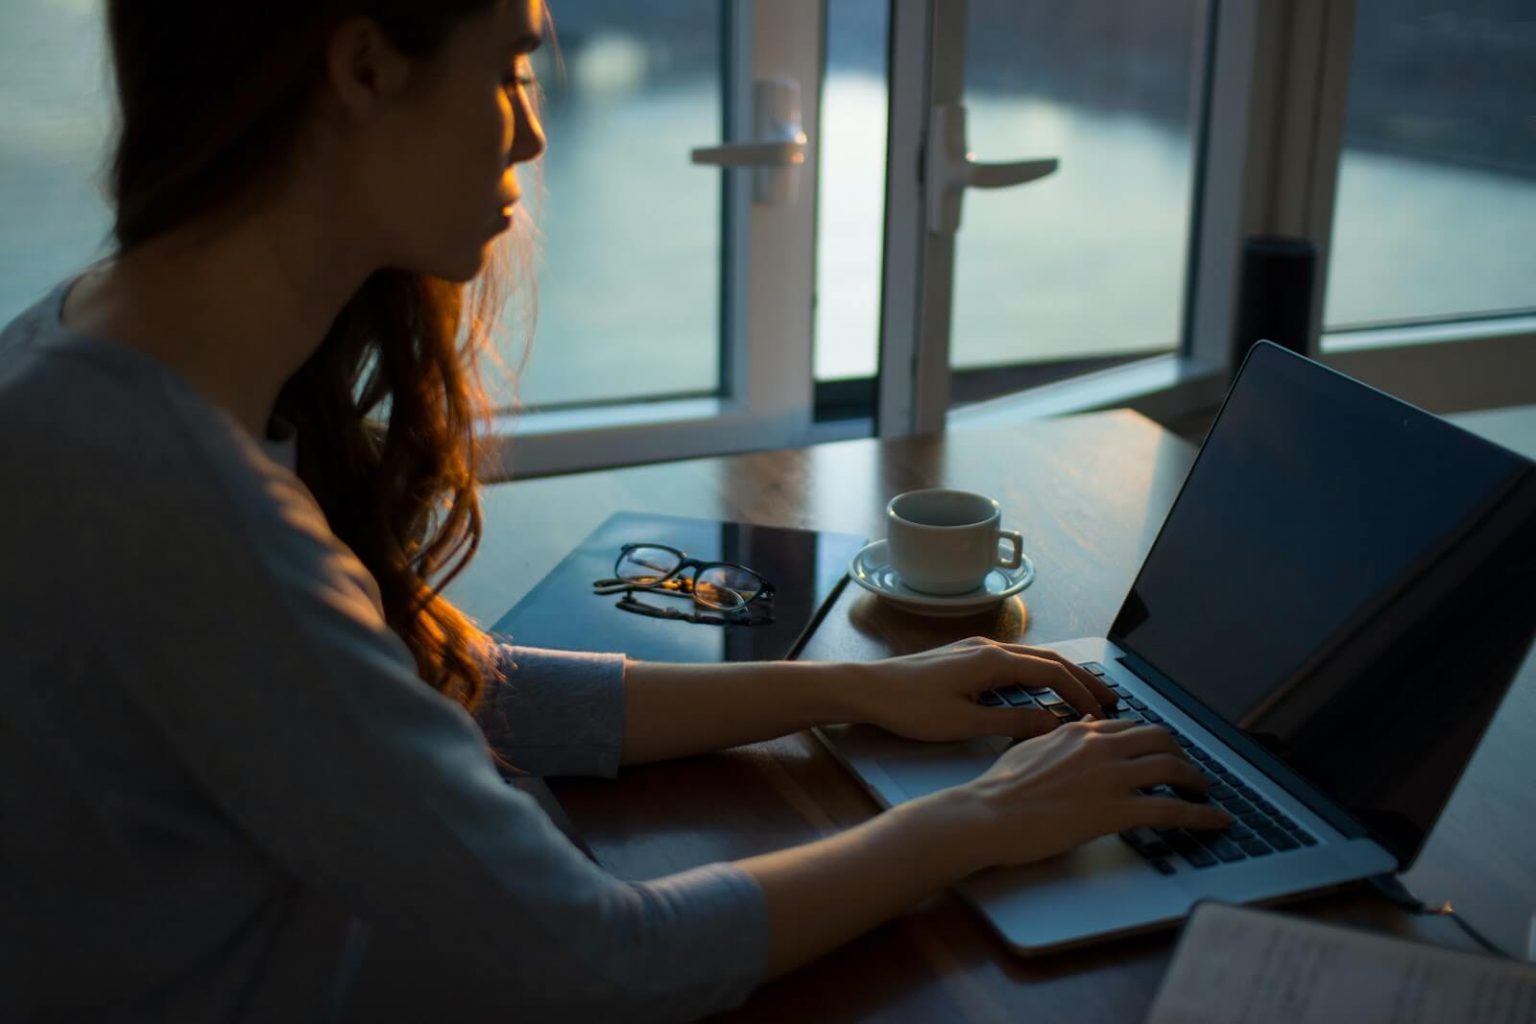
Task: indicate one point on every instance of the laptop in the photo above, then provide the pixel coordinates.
(1327, 621)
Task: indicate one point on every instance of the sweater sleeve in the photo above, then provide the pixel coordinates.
(557, 712)
(317, 739)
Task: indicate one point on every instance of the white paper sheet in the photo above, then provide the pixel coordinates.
(1238, 965)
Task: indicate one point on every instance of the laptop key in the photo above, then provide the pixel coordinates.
(1162, 866)
(990, 699)
(1225, 849)
(1278, 839)
(1151, 716)
(1094, 667)
(1017, 698)
(1190, 850)
(1255, 847)
(1146, 842)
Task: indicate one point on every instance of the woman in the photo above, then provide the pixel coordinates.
(246, 740)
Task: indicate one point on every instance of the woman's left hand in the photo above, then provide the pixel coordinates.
(933, 695)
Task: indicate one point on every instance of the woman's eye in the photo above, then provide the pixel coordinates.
(521, 76)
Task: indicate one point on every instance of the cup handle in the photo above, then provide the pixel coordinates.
(1017, 557)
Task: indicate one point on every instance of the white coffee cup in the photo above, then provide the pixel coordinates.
(945, 542)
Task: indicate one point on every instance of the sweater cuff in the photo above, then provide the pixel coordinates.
(557, 712)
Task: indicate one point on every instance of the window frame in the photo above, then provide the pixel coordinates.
(1268, 141)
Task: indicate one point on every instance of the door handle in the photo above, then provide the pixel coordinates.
(951, 170)
(778, 148)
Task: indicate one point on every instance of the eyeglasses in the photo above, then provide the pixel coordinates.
(741, 594)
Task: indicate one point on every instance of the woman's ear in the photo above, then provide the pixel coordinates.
(363, 67)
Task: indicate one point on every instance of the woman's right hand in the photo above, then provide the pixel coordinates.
(1042, 797)
(1080, 781)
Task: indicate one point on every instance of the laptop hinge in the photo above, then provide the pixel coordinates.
(1288, 779)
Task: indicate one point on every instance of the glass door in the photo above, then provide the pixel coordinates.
(1055, 205)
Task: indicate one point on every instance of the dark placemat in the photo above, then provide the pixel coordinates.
(807, 568)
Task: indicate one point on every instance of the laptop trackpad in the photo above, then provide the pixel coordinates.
(923, 770)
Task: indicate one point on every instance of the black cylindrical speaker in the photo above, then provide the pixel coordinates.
(1275, 300)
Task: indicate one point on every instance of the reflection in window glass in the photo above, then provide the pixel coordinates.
(1090, 261)
(55, 108)
(629, 287)
(1436, 201)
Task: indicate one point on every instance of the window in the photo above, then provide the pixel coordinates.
(855, 102)
(1436, 204)
(1086, 265)
(630, 281)
(55, 106)
(689, 310)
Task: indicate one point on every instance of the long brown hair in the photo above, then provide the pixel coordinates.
(213, 98)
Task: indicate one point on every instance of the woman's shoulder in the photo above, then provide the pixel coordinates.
(94, 410)
(98, 433)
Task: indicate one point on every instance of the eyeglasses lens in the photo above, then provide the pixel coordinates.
(644, 566)
(721, 586)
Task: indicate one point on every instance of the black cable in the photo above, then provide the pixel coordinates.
(1396, 893)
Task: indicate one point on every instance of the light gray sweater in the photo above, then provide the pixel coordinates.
(225, 795)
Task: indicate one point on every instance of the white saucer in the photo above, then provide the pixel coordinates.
(871, 569)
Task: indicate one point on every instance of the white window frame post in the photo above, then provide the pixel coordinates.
(927, 68)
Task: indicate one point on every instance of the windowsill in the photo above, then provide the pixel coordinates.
(534, 444)
(1160, 386)
(1428, 334)
(533, 423)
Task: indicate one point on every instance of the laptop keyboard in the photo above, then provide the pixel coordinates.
(1258, 829)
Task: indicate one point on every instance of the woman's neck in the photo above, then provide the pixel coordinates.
(233, 311)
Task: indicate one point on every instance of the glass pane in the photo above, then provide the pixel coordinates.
(629, 283)
(1436, 202)
(1090, 262)
(850, 211)
(55, 105)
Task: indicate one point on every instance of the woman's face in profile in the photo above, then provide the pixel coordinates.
(444, 167)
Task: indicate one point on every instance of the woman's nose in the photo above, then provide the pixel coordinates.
(528, 132)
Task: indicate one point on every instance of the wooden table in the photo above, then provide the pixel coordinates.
(1089, 494)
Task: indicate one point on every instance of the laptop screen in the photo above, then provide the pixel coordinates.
(1347, 581)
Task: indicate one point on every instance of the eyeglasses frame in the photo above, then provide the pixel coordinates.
(619, 584)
